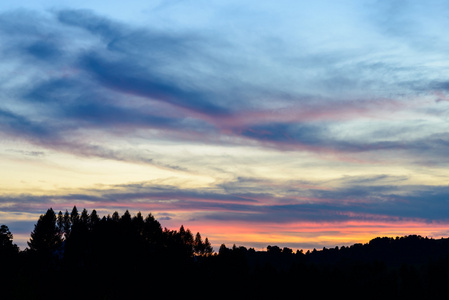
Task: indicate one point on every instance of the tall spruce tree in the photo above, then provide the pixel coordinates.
(152, 230)
(67, 224)
(60, 223)
(7, 247)
(45, 238)
(74, 216)
(84, 218)
(93, 220)
(208, 250)
(198, 245)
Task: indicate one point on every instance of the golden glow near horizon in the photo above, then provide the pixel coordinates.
(45, 172)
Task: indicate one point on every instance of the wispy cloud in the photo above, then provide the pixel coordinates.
(358, 200)
(121, 78)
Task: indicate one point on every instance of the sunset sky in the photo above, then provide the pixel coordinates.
(301, 124)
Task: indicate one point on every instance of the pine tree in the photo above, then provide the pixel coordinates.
(67, 223)
(126, 218)
(93, 220)
(60, 223)
(186, 236)
(152, 230)
(223, 250)
(207, 247)
(84, 217)
(6, 245)
(138, 223)
(115, 216)
(74, 216)
(186, 241)
(198, 245)
(45, 238)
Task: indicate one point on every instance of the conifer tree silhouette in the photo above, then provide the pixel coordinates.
(45, 238)
(198, 245)
(208, 250)
(7, 247)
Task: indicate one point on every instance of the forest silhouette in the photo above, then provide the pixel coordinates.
(80, 255)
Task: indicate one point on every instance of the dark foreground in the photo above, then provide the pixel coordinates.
(127, 257)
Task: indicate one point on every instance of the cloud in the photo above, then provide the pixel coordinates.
(126, 78)
(142, 55)
(17, 125)
(87, 74)
(27, 153)
(248, 201)
(86, 19)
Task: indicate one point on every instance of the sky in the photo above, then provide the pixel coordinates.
(301, 124)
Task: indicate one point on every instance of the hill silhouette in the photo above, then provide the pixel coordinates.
(80, 255)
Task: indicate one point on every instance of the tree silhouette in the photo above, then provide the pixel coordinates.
(115, 217)
(60, 224)
(9, 254)
(45, 238)
(223, 250)
(152, 230)
(186, 241)
(7, 248)
(84, 216)
(198, 245)
(208, 250)
(66, 225)
(93, 220)
(74, 216)
(123, 253)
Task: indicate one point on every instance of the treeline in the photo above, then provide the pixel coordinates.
(126, 256)
(112, 256)
(409, 267)
(72, 235)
